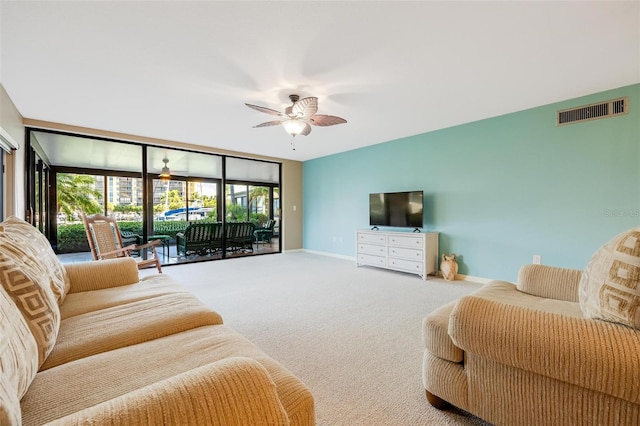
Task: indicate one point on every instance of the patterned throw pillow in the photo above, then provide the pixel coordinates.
(27, 281)
(27, 244)
(37, 305)
(610, 285)
(18, 355)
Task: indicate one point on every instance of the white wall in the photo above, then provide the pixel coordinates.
(11, 122)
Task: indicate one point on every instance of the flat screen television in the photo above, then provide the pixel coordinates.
(398, 209)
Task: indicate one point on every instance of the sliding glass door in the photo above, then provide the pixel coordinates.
(153, 192)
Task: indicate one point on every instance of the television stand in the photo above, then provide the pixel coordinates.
(398, 251)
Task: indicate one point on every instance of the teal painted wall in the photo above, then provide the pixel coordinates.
(498, 190)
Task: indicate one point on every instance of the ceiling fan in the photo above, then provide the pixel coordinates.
(166, 173)
(298, 117)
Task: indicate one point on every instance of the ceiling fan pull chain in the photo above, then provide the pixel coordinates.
(293, 143)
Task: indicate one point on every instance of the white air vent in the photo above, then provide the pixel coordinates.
(594, 111)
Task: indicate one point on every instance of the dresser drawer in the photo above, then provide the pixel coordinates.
(406, 241)
(406, 253)
(406, 265)
(368, 259)
(372, 238)
(372, 249)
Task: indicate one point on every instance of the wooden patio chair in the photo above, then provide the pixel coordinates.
(105, 242)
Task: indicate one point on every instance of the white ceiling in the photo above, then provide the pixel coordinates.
(182, 71)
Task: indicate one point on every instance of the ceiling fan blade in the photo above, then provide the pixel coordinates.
(264, 109)
(269, 123)
(326, 120)
(305, 107)
(306, 130)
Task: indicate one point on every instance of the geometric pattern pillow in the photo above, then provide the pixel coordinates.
(610, 285)
(18, 353)
(26, 243)
(36, 303)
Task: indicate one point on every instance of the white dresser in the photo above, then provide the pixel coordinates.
(411, 252)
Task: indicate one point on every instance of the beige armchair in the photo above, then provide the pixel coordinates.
(522, 354)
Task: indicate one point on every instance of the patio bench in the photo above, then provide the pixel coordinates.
(199, 238)
(239, 236)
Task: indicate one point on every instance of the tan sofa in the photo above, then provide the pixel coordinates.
(90, 343)
(524, 354)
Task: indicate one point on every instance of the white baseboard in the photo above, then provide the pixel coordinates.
(459, 277)
(324, 253)
(471, 278)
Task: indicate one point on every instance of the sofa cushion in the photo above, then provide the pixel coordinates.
(18, 354)
(89, 301)
(610, 284)
(128, 324)
(232, 391)
(108, 375)
(37, 303)
(26, 244)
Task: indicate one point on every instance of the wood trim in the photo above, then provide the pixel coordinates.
(86, 131)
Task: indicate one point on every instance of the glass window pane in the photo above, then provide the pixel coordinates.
(38, 197)
(184, 163)
(76, 193)
(259, 204)
(82, 152)
(236, 203)
(276, 210)
(124, 202)
(203, 201)
(252, 170)
(169, 200)
(124, 197)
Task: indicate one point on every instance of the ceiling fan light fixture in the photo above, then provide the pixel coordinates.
(298, 118)
(294, 126)
(165, 173)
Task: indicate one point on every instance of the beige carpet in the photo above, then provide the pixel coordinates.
(353, 335)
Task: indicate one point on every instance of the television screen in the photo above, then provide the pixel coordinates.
(401, 209)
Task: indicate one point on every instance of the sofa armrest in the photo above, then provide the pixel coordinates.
(550, 282)
(589, 353)
(233, 391)
(96, 275)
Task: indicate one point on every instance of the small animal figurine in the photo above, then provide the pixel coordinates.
(449, 267)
